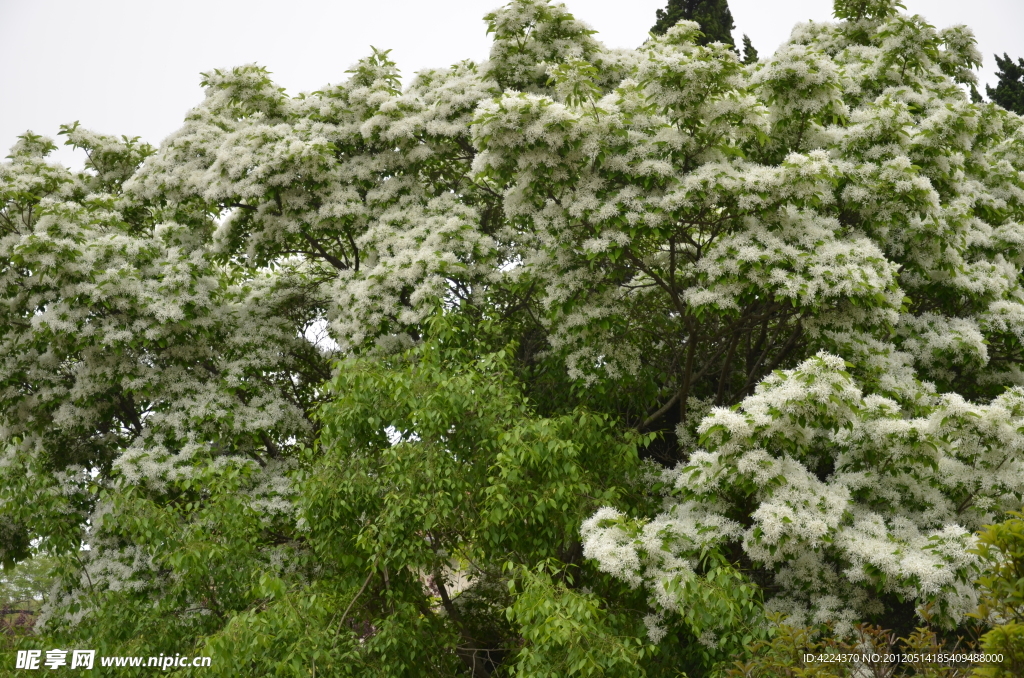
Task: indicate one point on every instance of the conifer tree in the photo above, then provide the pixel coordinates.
(749, 51)
(1009, 91)
(714, 18)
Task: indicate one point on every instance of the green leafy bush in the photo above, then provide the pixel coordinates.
(1001, 547)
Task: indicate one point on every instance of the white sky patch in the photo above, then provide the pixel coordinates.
(318, 334)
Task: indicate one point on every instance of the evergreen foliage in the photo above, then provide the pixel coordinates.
(713, 17)
(1009, 90)
(749, 52)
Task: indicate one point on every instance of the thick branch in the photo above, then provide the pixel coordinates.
(323, 253)
(661, 411)
(478, 670)
(691, 353)
(724, 376)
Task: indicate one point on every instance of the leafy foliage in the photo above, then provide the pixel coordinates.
(568, 632)
(436, 476)
(1001, 547)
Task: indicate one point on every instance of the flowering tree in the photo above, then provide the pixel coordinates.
(335, 380)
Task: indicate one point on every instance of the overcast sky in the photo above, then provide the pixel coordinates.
(132, 66)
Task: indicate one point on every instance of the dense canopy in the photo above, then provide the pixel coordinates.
(576, 361)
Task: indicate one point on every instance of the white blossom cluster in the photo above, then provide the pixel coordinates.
(852, 498)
